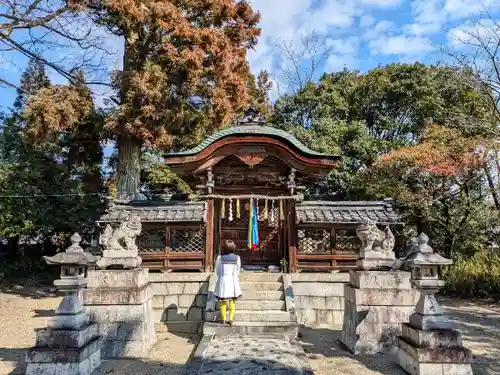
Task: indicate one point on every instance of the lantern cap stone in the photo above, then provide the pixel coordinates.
(74, 255)
(423, 255)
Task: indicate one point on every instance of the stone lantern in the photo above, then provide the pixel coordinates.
(424, 264)
(69, 344)
(428, 344)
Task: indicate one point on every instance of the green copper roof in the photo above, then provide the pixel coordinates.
(250, 130)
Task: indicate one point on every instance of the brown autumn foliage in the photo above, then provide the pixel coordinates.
(184, 65)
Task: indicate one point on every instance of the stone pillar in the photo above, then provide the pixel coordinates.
(120, 300)
(376, 301)
(70, 345)
(428, 344)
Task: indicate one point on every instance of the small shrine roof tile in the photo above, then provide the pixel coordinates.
(159, 212)
(346, 212)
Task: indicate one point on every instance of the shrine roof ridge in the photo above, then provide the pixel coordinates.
(252, 129)
(154, 211)
(347, 212)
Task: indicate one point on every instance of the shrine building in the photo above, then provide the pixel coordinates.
(247, 174)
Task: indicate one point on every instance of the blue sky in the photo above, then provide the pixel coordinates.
(359, 34)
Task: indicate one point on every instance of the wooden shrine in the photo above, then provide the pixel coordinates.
(251, 161)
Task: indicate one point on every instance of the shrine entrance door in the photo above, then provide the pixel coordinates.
(271, 234)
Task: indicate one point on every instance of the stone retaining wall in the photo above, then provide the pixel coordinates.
(319, 298)
(179, 300)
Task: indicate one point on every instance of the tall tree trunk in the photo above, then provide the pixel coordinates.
(129, 148)
(492, 187)
(129, 167)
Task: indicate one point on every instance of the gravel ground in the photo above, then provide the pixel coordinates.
(24, 309)
(479, 323)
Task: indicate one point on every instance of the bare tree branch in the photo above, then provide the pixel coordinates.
(56, 33)
(301, 59)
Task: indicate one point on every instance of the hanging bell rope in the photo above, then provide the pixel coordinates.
(265, 210)
(238, 212)
(223, 209)
(282, 214)
(272, 211)
(230, 210)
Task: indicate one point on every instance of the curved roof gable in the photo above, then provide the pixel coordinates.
(256, 130)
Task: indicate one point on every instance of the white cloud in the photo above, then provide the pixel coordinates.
(433, 16)
(334, 63)
(381, 28)
(347, 46)
(400, 45)
(381, 3)
(366, 20)
(485, 31)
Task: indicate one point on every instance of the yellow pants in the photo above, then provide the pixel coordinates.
(223, 309)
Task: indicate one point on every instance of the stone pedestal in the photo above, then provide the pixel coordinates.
(376, 304)
(428, 345)
(120, 301)
(126, 259)
(69, 346)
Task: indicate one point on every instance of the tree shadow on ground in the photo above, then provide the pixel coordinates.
(29, 288)
(325, 344)
(479, 324)
(16, 357)
(129, 366)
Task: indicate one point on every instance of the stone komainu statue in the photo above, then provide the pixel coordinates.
(374, 239)
(123, 237)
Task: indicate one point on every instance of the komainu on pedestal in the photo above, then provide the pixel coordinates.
(119, 299)
(119, 247)
(377, 299)
(428, 344)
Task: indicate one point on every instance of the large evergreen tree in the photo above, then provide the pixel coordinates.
(48, 186)
(184, 73)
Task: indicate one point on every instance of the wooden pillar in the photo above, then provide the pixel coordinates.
(292, 237)
(209, 236)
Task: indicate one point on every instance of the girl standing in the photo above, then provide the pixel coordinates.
(227, 289)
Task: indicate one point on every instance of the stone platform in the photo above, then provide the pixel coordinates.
(248, 355)
(120, 301)
(376, 304)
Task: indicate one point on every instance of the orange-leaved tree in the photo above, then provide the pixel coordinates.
(443, 151)
(437, 182)
(184, 72)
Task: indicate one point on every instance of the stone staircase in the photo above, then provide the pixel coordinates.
(262, 308)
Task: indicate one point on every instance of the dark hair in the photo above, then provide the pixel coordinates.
(228, 247)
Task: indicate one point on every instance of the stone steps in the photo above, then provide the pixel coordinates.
(258, 305)
(271, 286)
(265, 295)
(248, 276)
(253, 316)
(280, 329)
(261, 310)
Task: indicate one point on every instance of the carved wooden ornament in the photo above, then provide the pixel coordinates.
(251, 159)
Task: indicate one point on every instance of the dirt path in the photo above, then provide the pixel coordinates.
(23, 310)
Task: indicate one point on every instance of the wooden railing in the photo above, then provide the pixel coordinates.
(325, 249)
(173, 247)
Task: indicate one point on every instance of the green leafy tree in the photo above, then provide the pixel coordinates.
(362, 116)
